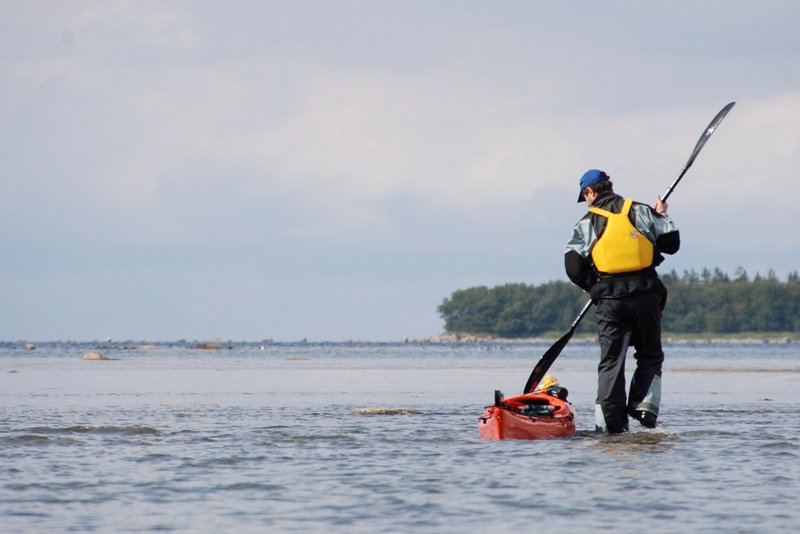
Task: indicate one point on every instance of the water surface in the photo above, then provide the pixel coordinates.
(176, 439)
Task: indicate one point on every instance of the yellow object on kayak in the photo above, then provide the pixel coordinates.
(547, 381)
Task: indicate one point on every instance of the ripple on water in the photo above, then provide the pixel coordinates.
(99, 430)
(25, 439)
(781, 445)
(380, 410)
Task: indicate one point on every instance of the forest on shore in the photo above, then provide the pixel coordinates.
(706, 302)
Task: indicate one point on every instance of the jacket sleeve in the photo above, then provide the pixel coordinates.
(669, 243)
(576, 255)
(668, 238)
(578, 269)
(660, 229)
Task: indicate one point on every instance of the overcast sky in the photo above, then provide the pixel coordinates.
(335, 169)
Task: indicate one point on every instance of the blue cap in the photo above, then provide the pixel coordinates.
(591, 177)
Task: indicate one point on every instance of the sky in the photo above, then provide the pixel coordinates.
(334, 170)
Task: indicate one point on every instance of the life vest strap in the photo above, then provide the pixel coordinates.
(626, 208)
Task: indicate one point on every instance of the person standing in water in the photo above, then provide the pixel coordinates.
(613, 254)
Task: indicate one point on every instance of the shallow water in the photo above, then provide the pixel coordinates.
(277, 439)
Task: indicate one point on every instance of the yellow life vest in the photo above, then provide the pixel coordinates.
(621, 248)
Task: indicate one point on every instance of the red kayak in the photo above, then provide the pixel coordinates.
(543, 414)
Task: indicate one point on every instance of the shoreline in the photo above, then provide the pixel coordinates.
(441, 339)
(707, 339)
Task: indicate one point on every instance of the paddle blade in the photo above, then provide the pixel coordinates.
(546, 361)
(709, 130)
(550, 356)
(700, 144)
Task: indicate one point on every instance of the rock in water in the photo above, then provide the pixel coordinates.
(93, 356)
(208, 346)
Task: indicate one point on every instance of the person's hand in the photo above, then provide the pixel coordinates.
(660, 206)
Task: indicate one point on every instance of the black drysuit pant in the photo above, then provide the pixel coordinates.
(630, 320)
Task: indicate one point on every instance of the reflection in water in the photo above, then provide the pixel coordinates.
(636, 442)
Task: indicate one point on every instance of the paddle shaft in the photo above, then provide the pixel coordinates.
(543, 365)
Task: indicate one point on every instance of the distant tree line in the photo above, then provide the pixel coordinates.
(710, 301)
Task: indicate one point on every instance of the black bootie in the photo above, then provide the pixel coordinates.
(647, 419)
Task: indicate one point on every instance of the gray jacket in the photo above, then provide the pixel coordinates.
(659, 229)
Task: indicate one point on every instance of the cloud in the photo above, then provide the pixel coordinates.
(341, 149)
(140, 22)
